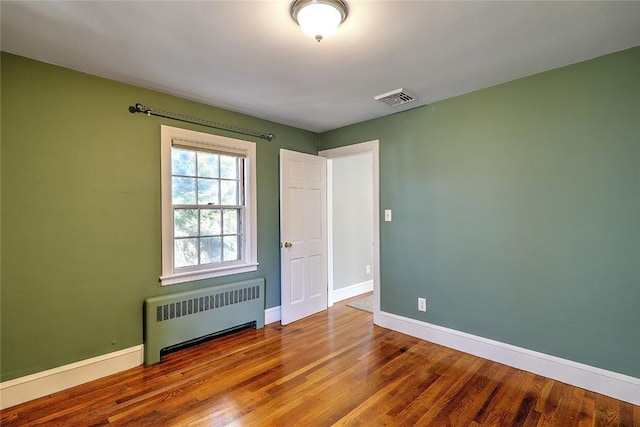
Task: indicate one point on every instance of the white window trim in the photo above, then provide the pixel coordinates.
(250, 246)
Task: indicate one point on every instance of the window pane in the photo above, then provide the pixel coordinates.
(230, 221)
(228, 167)
(183, 162)
(210, 250)
(210, 222)
(230, 248)
(185, 253)
(185, 222)
(208, 191)
(229, 193)
(208, 165)
(183, 191)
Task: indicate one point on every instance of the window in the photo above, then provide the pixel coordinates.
(208, 206)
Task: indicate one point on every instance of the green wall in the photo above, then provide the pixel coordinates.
(516, 211)
(81, 211)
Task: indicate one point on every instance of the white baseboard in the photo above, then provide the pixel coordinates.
(272, 315)
(618, 386)
(351, 291)
(43, 383)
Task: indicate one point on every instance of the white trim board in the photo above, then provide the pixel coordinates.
(43, 383)
(330, 289)
(351, 291)
(613, 384)
(272, 315)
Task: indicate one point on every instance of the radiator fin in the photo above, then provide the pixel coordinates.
(205, 303)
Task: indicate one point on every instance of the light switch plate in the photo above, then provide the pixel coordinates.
(387, 215)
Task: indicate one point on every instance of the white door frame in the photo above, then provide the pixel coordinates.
(350, 150)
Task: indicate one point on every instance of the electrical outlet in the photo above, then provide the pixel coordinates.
(368, 268)
(422, 304)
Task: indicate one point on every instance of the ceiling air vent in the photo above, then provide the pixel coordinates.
(395, 97)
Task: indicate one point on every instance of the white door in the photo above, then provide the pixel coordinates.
(303, 235)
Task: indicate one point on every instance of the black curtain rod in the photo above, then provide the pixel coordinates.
(139, 108)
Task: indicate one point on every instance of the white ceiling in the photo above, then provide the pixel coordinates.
(250, 56)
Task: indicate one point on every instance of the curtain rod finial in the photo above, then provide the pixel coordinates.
(139, 108)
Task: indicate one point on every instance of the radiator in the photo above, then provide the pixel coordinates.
(177, 318)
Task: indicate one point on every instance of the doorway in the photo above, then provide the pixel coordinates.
(353, 222)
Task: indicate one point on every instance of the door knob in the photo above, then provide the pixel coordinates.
(286, 245)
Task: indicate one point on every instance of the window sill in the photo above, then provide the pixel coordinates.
(191, 276)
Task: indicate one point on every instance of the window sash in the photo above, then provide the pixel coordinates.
(238, 235)
(218, 181)
(189, 250)
(209, 148)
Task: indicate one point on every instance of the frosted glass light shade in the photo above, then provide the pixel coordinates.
(318, 18)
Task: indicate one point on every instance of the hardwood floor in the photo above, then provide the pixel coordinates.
(333, 368)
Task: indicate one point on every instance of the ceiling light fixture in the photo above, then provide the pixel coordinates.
(319, 18)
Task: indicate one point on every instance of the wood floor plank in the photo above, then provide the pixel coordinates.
(509, 402)
(452, 406)
(491, 410)
(626, 414)
(587, 411)
(607, 411)
(333, 368)
(548, 415)
(431, 399)
(527, 414)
